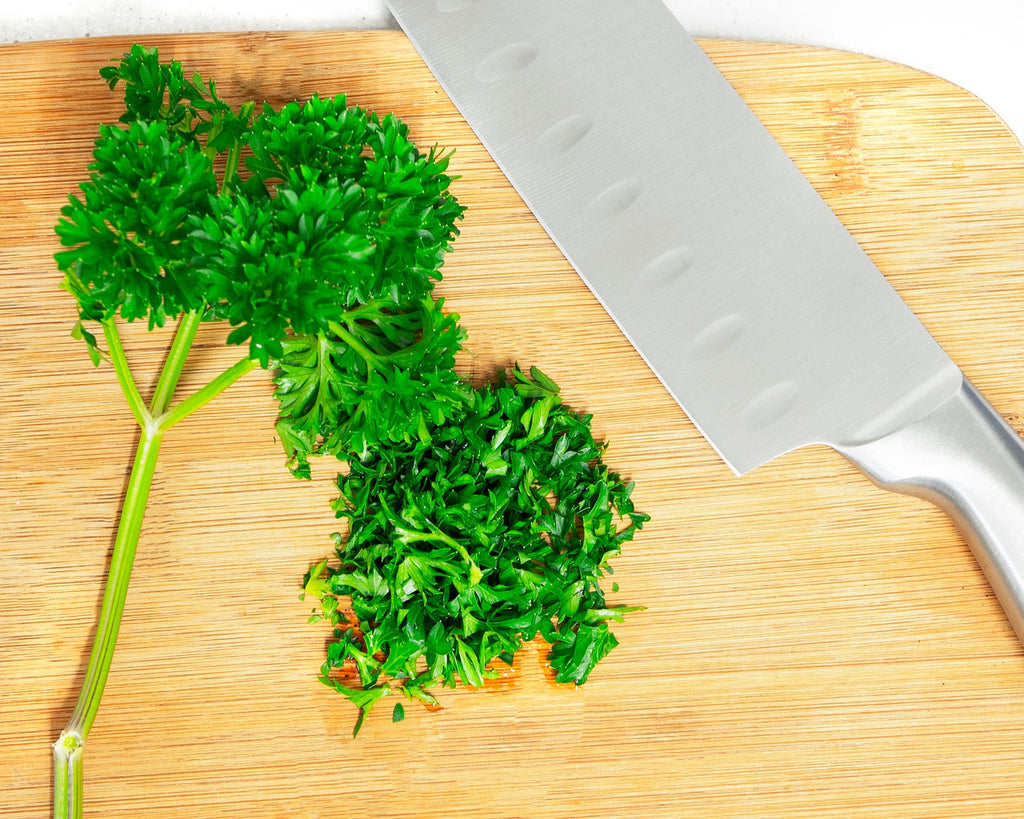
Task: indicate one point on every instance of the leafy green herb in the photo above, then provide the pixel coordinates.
(477, 518)
(496, 528)
(316, 231)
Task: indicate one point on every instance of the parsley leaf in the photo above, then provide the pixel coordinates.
(128, 232)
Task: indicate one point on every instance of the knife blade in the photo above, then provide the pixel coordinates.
(718, 259)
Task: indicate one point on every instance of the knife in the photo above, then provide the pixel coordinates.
(719, 261)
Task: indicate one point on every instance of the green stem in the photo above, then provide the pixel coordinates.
(368, 310)
(368, 355)
(68, 776)
(231, 165)
(124, 372)
(154, 421)
(207, 393)
(188, 326)
(68, 750)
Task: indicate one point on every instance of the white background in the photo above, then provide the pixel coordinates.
(977, 44)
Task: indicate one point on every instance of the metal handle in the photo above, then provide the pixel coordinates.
(967, 460)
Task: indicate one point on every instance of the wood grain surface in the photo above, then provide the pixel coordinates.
(811, 647)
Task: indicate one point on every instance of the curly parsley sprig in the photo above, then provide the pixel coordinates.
(317, 228)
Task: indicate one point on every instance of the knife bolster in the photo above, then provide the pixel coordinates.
(965, 458)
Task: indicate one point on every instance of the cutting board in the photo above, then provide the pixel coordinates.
(811, 645)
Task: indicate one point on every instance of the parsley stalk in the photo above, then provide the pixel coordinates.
(154, 420)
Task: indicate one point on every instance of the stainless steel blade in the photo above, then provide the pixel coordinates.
(719, 261)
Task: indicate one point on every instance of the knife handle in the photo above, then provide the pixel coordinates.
(965, 458)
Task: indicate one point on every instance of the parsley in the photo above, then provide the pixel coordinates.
(477, 518)
(316, 232)
(461, 546)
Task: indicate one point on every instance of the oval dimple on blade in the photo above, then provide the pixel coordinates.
(506, 61)
(564, 135)
(772, 405)
(717, 337)
(670, 266)
(616, 198)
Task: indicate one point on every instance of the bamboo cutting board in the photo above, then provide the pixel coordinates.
(811, 647)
